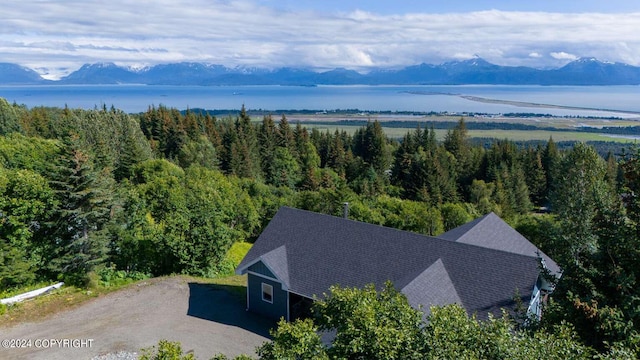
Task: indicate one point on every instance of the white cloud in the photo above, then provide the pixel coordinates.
(563, 56)
(48, 34)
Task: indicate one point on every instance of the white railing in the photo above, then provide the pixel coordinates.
(535, 307)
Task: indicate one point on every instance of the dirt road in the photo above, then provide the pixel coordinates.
(206, 319)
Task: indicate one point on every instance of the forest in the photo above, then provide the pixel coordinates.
(169, 192)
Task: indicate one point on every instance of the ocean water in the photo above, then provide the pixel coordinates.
(604, 101)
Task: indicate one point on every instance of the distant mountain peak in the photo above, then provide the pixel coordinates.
(475, 70)
(16, 74)
(475, 61)
(585, 62)
(587, 59)
(101, 65)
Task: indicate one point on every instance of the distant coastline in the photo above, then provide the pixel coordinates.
(521, 103)
(455, 100)
(536, 105)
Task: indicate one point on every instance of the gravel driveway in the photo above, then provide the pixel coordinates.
(205, 319)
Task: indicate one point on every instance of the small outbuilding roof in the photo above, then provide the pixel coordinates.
(309, 252)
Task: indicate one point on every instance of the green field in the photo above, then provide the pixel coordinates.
(514, 135)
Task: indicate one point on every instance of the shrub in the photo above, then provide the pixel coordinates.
(165, 350)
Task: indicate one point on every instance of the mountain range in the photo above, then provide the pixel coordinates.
(584, 71)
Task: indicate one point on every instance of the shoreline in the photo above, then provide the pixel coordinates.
(525, 104)
(538, 105)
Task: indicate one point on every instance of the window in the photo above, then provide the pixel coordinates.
(267, 293)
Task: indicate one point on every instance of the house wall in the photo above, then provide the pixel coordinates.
(262, 269)
(274, 310)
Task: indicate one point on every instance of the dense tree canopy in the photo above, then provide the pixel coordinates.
(166, 191)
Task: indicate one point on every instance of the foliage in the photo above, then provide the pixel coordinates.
(9, 122)
(232, 259)
(85, 196)
(451, 334)
(454, 215)
(28, 153)
(370, 324)
(111, 277)
(239, 357)
(167, 191)
(26, 202)
(184, 220)
(165, 350)
(597, 246)
(298, 340)
(540, 230)
(397, 213)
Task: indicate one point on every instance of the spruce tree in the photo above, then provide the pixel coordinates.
(85, 195)
(268, 143)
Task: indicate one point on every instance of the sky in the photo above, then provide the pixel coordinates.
(57, 37)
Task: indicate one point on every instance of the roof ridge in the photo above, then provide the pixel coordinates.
(461, 244)
(322, 249)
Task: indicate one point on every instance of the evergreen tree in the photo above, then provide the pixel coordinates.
(550, 163)
(133, 148)
(245, 152)
(337, 157)
(429, 142)
(268, 142)
(370, 143)
(597, 250)
(86, 197)
(456, 142)
(402, 168)
(286, 137)
(284, 169)
(229, 137)
(310, 163)
(535, 175)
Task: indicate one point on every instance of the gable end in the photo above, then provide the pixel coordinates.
(260, 268)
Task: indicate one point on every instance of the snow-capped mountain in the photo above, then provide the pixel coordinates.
(584, 71)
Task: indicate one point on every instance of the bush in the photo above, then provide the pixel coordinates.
(110, 277)
(165, 350)
(227, 266)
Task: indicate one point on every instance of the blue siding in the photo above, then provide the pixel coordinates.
(261, 269)
(274, 310)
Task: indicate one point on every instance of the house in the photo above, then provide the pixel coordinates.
(481, 265)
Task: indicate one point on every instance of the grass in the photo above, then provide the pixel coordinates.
(514, 135)
(559, 123)
(13, 292)
(43, 306)
(237, 252)
(235, 284)
(557, 136)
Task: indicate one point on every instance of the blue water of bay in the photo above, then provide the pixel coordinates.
(601, 101)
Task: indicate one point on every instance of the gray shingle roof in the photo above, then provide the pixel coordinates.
(441, 290)
(311, 251)
(492, 232)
